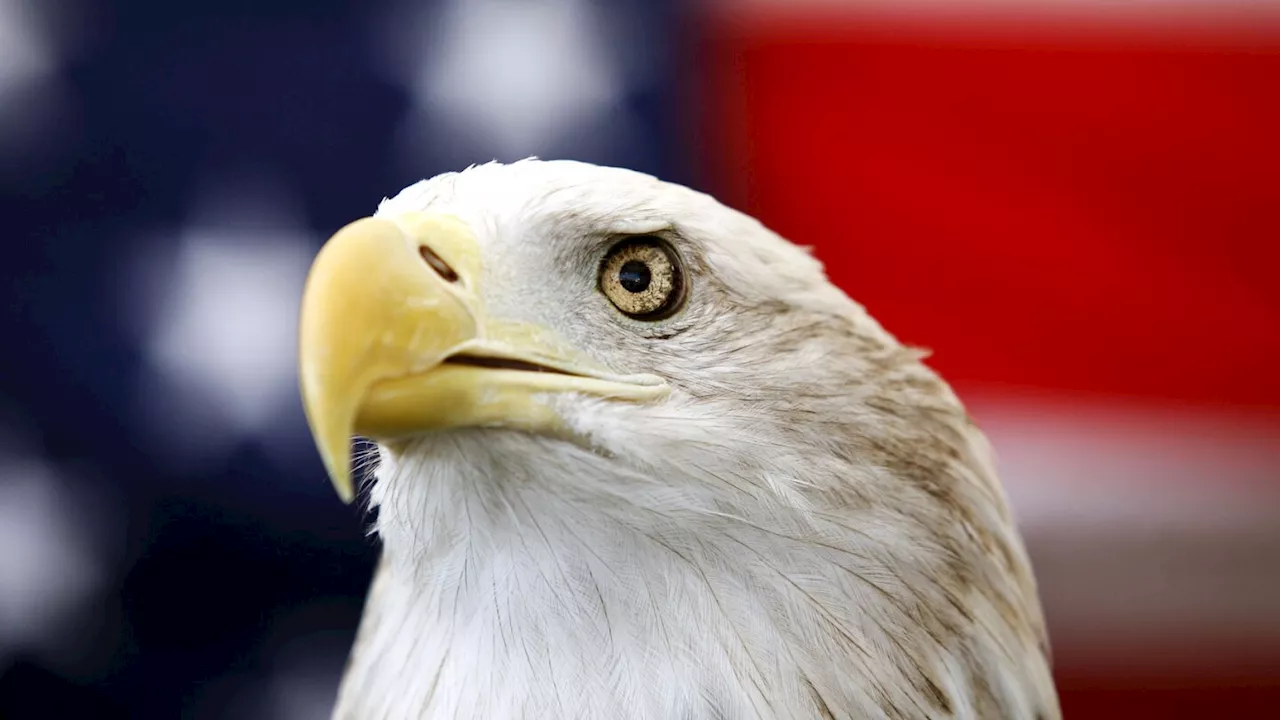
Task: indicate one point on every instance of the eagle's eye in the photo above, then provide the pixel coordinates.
(642, 277)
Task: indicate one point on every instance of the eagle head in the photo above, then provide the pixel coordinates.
(639, 458)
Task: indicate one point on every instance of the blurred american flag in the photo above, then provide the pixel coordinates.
(1073, 203)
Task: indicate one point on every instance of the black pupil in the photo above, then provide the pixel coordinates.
(634, 276)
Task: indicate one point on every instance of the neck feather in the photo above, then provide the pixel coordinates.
(534, 589)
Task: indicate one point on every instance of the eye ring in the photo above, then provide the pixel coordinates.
(643, 278)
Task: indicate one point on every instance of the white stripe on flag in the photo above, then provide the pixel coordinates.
(1152, 525)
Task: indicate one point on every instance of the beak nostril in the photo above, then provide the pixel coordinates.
(438, 264)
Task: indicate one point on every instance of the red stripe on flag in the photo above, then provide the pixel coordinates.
(1057, 208)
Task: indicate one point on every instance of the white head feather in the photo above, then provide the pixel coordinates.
(809, 526)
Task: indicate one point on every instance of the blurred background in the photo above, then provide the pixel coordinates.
(1074, 203)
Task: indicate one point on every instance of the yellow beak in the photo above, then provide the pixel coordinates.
(394, 342)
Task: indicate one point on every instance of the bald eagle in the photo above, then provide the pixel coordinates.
(639, 458)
